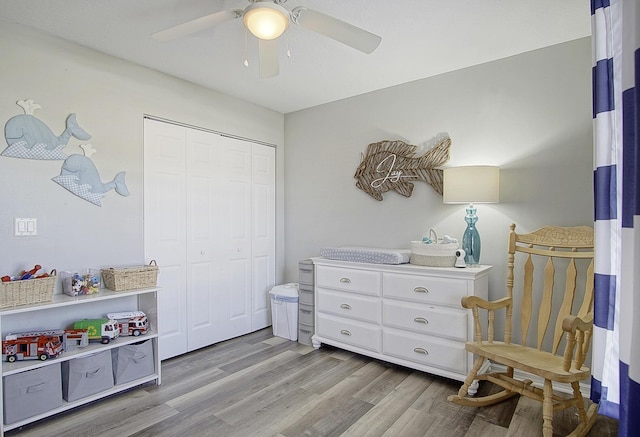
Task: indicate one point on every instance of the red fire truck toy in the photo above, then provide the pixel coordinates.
(39, 345)
(131, 322)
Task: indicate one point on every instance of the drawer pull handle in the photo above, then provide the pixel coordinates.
(421, 320)
(420, 290)
(419, 350)
(345, 332)
(345, 306)
(345, 280)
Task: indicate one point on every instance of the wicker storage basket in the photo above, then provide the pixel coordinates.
(28, 291)
(436, 254)
(130, 278)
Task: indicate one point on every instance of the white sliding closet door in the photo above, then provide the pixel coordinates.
(228, 236)
(205, 215)
(263, 236)
(165, 237)
(232, 230)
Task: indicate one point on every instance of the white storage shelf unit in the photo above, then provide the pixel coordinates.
(404, 314)
(61, 313)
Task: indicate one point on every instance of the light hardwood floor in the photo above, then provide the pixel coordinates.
(260, 385)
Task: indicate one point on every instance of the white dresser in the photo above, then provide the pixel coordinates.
(404, 314)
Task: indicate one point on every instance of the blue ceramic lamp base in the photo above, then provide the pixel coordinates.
(471, 238)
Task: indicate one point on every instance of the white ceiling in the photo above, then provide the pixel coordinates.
(420, 38)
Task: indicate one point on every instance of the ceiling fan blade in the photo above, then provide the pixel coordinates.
(338, 30)
(196, 25)
(268, 58)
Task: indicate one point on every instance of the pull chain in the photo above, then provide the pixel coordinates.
(246, 47)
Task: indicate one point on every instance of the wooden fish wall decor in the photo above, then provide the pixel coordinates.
(392, 165)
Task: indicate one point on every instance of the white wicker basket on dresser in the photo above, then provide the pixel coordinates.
(404, 314)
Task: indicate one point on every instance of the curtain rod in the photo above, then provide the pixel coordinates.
(222, 134)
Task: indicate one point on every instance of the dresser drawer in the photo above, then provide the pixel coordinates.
(439, 291)
(349, 305)
(359, 334)
(355, 280)
(425, 350)
(425, 319)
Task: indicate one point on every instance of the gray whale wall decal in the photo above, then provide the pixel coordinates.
(80, 176)
(28, 137)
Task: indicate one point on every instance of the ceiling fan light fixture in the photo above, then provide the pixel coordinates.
(266, 20)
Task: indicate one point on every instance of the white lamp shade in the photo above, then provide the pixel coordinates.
(266, 20)
(472, 184)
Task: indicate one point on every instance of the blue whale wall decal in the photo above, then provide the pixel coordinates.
(28, 137)
(80, 176)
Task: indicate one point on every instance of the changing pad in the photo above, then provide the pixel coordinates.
(367, 255)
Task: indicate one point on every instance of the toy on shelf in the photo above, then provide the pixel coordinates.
(40, 345)
(27, 275)
(101, 329)
(80, 284)
(73, 338)
(131, 322)
(106, 329)
(24, 274)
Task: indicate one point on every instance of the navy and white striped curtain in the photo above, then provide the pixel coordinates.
(616, 112)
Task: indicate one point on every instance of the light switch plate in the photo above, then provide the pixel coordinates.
(26, 227)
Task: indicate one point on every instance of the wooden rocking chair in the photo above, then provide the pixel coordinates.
(570, 246)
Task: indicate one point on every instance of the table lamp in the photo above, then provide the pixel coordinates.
(472, 184)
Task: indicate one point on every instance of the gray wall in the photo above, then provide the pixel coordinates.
(110, 98)
(529, 114)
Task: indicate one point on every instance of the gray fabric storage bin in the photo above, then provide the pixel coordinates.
(305, 272)
(305, 332)
(86, 376)
(132, 361)
(32, 392)
(305, 314)
(305, 292)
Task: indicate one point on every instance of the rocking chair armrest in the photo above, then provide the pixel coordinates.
(475, 302)
(579, 331)
(471, 302)
(573, 323)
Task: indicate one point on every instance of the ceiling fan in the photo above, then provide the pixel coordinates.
(267, 20)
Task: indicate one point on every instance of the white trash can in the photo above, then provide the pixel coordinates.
(284, 311)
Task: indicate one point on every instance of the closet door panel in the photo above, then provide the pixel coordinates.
(238, 304)
(203, 176)
(263, 232)
(172, 329)
(164, 228)
(262, 284)
(200, 315)
(238, 254)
